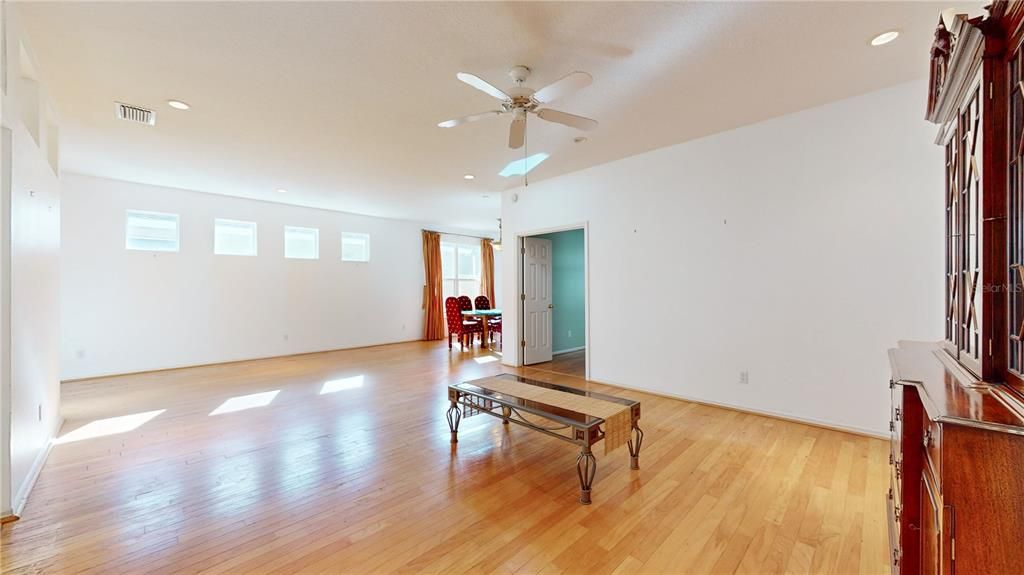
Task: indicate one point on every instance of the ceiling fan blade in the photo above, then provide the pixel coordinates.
(467, 119)
(483, 86)
(517, 132)
(567, 85)
(571, 120)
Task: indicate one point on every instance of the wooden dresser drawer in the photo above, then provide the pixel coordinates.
(931, 527)
(894, 539)
(895, 494)
(931, 443)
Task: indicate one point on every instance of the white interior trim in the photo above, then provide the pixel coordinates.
(585, 226)
(570, 350)
(21, 497)
(767, 413)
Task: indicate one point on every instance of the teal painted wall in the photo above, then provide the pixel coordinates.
(567, 290)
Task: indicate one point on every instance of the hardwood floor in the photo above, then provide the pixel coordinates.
(573, 363)
(364, 480)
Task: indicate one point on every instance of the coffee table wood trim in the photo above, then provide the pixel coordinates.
(576, 428)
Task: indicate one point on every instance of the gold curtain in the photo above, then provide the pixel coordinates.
(487, 271)
(433, 307)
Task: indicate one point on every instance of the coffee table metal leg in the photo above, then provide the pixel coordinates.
(454, 417)
(637, 437)
(586, 468)
(505, 413)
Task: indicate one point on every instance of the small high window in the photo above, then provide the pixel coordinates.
(234, 238)
(301, 243)
(355, 247)
(151, 231)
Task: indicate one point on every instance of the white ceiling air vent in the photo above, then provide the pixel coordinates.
(135, 114)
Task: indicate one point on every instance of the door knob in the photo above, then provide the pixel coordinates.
(551, 306)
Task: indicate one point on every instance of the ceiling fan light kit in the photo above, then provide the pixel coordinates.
(521, 101)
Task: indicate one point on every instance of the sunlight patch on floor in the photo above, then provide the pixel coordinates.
(108, 426)
(341, 384)
(243, 402)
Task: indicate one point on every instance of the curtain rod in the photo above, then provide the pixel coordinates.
(460, 235)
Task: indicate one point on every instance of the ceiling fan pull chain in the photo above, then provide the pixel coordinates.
(526, 150)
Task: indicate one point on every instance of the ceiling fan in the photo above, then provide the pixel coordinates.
(520, 101)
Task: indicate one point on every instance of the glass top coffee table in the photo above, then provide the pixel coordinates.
(572, 425)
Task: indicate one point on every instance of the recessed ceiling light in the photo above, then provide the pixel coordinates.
(468, 177)
(178, 105)
(885, 38)
(282, 191)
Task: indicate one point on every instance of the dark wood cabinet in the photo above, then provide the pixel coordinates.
(956, 497)
(956, 501)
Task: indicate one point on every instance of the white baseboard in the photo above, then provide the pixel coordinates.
(570, 350)
(104, 375)
(21, 497)
(767, 413)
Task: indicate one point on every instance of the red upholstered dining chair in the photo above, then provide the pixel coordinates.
(494, 327)
(494, 323)
(466, 304)
(457, 325)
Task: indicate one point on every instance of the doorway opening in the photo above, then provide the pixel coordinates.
(554, 301)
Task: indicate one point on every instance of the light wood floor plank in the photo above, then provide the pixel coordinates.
(365, 481)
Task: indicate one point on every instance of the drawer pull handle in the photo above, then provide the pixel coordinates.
(927, 438)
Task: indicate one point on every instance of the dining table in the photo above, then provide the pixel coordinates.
(484, 315)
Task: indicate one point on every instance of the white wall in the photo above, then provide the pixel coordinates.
(798, 249)
(29, 271)
(126, 311)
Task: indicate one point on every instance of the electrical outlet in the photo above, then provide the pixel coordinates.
(80, 354)
(744, 377)
(285, 336)
(40, 412)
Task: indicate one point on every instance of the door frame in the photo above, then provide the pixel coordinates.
(585, 226)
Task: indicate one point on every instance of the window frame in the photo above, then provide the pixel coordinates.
(316, 242)
(965, 327)
(352, 235)
(450, 283)
(255, 237)
(177, 231)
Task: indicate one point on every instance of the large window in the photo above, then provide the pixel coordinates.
(301, 243)
(152, 231)
(234, 238)
(460, 268)
(355, 247)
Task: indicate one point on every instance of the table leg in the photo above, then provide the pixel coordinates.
(637, 437)
(483, 340)
(586, 468)
(454, 417)
(505, 413)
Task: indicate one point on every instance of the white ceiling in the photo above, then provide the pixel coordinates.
(338, 102)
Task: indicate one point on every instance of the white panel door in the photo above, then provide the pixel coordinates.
(537, 304)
